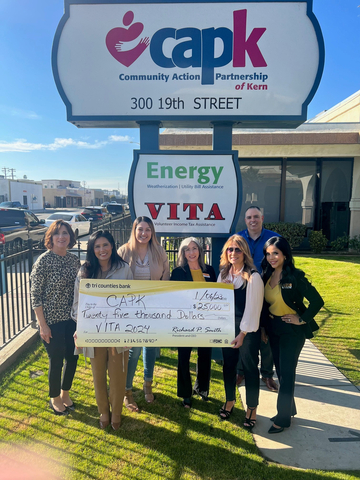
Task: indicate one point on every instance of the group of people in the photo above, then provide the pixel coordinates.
(269, 310)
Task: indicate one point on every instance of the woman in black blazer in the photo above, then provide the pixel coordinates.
(287, 321)
(191, 268)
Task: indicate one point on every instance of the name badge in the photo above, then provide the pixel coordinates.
(286, 286)
(206, 275)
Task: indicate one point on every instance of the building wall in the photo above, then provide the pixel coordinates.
(355, 200)
(4, 190)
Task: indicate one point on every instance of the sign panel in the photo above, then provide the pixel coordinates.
(183, 193)
(148, 313)
(184, 63)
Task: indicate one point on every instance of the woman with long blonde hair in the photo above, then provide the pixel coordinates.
(237, 267)
(148, 261)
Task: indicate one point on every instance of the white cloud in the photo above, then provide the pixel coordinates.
(120, 138)
(23, 146)
(17, 112)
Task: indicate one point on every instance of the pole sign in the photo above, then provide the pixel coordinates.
(183, 193)
(187, 64)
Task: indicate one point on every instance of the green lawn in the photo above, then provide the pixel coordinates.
(338, 281)
(165, 441)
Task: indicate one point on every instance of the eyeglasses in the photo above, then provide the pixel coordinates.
(231, 249)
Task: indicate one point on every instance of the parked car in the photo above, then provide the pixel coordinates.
(115, 209)
(13, 205)
(95, 213)
(78, 222)
(17, 226)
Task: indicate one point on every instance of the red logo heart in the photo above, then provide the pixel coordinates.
(117, 37)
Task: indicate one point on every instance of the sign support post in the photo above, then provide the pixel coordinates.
(149, 136)
(222, 140)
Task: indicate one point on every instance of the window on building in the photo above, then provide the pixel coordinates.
(261, 186)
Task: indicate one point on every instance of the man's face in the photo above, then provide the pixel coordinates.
(254, 220)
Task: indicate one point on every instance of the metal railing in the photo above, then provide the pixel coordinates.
(15, 307)
(119, 227)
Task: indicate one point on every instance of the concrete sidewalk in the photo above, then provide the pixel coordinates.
(325, 434)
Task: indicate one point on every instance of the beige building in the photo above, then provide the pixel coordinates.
(70, 194)
(309, 175)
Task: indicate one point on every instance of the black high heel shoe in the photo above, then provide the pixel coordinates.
(273, 429)
(65, 412)
(249, 423)
(225, 414)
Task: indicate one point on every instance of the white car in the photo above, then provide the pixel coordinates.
(78, 223)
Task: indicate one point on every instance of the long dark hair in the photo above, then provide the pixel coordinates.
(91, 266)
(288, 267)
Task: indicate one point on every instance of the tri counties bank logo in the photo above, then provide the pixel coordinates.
(192, 47)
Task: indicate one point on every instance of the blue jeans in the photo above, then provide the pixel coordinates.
(149, 357)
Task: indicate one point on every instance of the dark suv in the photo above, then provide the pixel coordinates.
(13, 205)
(115, 209)
(95, 213)
(17, 226)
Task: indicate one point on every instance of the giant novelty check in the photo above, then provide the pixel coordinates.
(155, 313)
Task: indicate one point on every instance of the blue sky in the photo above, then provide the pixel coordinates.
(36, 139)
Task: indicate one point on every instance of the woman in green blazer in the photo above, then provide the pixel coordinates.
(287, 321)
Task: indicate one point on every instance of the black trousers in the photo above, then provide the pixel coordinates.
(203, 372)
(60, 348)
(286, 342)
(249, 354)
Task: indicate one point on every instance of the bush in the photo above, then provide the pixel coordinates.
(294, 233)
(340, 244)
(318, 241)
(354, 244)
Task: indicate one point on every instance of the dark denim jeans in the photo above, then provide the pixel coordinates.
(249, 354)
(60, 348)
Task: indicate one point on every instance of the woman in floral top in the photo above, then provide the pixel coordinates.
(52, 289)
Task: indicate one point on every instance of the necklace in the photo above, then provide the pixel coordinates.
(103, 273)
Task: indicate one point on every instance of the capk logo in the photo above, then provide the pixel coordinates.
(117, 37)
(194, 48)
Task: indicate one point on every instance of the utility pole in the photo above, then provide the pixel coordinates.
(84, 185)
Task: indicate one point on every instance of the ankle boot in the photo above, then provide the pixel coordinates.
(147, 387)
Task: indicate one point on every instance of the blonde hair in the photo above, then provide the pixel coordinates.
(182, 261)
(154, 246)
(225, 265)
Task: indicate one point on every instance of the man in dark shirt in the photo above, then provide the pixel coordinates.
(256, 236)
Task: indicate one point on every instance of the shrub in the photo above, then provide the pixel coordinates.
(354, 243)
(318, 241)
(340, 244)
(294, 233)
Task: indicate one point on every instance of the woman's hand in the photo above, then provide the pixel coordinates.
(238, 341)
(292, 318)
(45, 333)
(75, 337)
(264, 337)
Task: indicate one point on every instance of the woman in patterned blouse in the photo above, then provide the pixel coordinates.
(52, 291)
(148, 261)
